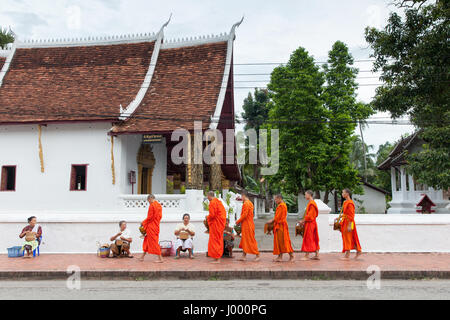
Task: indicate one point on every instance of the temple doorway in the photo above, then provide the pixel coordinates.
(146, 164)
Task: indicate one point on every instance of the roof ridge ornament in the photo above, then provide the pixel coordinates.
(87, 40)
(226, 76)
(127, 112)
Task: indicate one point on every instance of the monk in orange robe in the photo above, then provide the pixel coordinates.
(281, 238)
(151, 225)
(248, 242)
(350, 238)
(216, 220)
(311, 233)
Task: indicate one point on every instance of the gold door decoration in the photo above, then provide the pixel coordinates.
(146, 164)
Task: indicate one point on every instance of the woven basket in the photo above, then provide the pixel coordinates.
(184, 235)
(103, 252)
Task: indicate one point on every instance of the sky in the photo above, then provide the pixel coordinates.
(271, 31)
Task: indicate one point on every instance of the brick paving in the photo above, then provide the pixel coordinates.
(392, 266)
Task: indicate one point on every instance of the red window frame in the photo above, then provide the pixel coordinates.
(4, 181)
(73, 177)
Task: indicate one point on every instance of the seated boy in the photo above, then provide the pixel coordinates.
(184, 233)
(228, 240)
(122, 241)
(32, 233)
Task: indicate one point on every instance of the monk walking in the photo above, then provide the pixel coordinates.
(348, 228)
(151, 225)
(248, 242)
(281, 238)
(216, 220)
(311, 234)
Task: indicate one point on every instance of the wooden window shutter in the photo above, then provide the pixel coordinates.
(4, 179)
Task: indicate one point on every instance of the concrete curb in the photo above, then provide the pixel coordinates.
(225, 275)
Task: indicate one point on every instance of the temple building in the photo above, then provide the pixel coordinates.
(86, 133)
(406, 191)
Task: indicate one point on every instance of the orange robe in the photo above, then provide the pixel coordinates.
(216, 220)
(350, 239)
(151, 225)
(281, 238)
(311, 234)
(248, 242)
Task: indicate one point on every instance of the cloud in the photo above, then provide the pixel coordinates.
(22, 22)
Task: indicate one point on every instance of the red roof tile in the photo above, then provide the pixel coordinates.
(2, 61)
(73, 83)
(184, 87)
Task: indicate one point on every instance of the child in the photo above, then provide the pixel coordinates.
(228, 240)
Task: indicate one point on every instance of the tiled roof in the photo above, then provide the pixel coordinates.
(185, 87)
(72, 83)
(397, 156)
(2, 61)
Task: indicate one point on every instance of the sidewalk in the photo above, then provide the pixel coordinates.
(392, 266)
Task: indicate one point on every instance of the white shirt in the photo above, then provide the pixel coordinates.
(189, 227)
(125, 234)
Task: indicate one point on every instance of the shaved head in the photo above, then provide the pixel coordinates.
(211, 194)
(151, 196)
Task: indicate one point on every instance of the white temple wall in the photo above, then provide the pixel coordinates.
(159, 178)
(63, 145)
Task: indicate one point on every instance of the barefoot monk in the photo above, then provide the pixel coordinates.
(350, 239)
(311, 233)
(248, 242)
(216, 220)
(151, 225)
(281, 238)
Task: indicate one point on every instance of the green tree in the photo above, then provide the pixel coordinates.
(255, 115)
(256, 109)
(344, 112)
(361, 159)
(6, 36)
(383, 177)
(298, 112)
(413, 57)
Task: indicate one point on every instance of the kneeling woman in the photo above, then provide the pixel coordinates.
(184, 233)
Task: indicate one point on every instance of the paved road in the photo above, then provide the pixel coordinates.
(234, 290)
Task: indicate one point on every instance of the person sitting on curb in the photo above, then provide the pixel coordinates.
(122, 241)
(228, 240)
(184, 233)
(32, 233)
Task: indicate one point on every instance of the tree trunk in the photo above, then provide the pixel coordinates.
(325, 197)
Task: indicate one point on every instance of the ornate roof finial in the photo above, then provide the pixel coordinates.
(233, 28)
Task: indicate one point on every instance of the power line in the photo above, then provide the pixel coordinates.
(113, 117)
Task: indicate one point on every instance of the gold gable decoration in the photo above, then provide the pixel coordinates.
(41, 153)
(113, 169)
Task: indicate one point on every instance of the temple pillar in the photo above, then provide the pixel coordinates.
(194, 166)
(216, 177)
(393, 181)
(403, 183)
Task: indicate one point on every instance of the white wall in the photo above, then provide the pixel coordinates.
(78, 233)
(130, 148)
(391, 233)
(159, 178)
(373, 201)
(63, 145)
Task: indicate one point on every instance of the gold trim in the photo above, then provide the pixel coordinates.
(41, 154)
